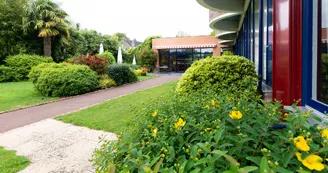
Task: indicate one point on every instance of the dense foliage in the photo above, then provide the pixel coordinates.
(37, 70)
(21, 64)
(97, 64)
(227, 53)
(7, 74)
(109, 56)
(216, 133)
(324, 82)
(67, 80)
(122, 74)
(106, 82)
(219, 74)
(144, 53)
(142, 71)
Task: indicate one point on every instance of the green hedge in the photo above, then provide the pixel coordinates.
(122, 74)
(66, 80)
(7, 74)
(219, 74)
(22, 64)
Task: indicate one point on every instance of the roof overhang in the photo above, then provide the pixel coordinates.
(186, 46)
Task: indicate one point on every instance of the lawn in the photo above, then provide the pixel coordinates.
(145, 77)
(10, 162)
(114, 115)
(15, 95)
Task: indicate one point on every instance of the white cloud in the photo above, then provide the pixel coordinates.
(139, 18)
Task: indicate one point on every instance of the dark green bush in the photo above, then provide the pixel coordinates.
(122, 74)
(67, 80)
(200, 133)
(37, 70)
(109, 56)
(219, 74)
(7, 74)
(22, 63)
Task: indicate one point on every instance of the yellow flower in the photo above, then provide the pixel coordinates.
(208, 129)
(155, 113)
(213, 102)
(325, 133)
(180, 123)
(155, 130)
(301, 143)
(312, 161)
(236, 115)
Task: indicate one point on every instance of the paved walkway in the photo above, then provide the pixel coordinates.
(53, 146)
(12, 120)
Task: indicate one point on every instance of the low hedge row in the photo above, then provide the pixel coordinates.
(122, 74)
(21, 65)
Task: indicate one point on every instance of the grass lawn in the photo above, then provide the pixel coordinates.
(114, 115)
(15, 95)
(10, 162)
(145, 77)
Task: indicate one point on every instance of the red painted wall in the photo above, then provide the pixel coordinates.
(286, 68)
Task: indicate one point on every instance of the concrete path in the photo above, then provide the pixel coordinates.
(12, 120)
(54, 146)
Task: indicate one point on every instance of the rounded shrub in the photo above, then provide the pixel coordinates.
(97, 64)
(22, 63)
(219, 74)
(109, 56)
(215, 133)
(106, 82)
(121, 74)
(67, 80)
(37, 70)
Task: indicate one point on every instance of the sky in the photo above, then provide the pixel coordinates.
(139, 18)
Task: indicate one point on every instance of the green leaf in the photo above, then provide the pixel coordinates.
(195, 170)
(208, 169)
(201, 161)
(286, 158)
(250, 168)
(282, 170)
(202, 146)
(264, 167)
(256, 160)
(218, 154)
(158, 165)
(218, 135)
(194, 151)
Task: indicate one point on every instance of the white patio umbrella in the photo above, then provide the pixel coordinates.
(101, 49)
(134, 61)
(119, 56)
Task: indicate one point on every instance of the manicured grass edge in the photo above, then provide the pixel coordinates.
(14, 154)
(70, 97)
(77, 110)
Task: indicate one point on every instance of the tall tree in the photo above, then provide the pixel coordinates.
(48, 19)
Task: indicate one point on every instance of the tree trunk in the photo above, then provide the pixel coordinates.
(47, 46)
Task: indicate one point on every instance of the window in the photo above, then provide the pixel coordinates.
(163, 57)
(320, 51)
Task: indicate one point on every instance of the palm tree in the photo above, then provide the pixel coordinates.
(48, 19)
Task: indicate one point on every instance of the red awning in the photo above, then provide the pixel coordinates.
(186, 46)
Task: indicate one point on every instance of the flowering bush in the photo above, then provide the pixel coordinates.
(142, 71)
(97, 64)
(219, 74)
(106, 82)
(215, 133)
